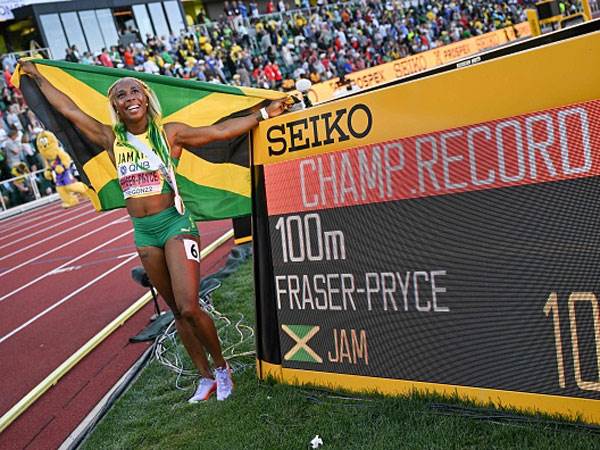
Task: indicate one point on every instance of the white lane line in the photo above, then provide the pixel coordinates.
(44, 208)
(16, 221)
(77, 239)
(64, 299)
(29, 217)
(126, 255)
(125, 218)
(22, 249)
(68, 263)
(65, 269)
(43, 230)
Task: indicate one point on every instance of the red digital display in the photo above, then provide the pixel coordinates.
(551, 145)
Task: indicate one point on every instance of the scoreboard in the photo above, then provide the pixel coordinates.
(441, 234)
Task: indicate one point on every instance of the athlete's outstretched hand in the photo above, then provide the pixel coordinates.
(277, 107)
(28, 68)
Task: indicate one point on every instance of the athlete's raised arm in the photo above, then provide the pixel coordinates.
(95, 131)
(181, 135)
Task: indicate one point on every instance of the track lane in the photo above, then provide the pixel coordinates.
(34, 243)
(80, 251)
(34, 342)
(30, 215)
(38, 304)
(48, 422)
(51, 419)
(46, 212)
(63, 256)
(50, 246)
(36, 350)
(36, 229)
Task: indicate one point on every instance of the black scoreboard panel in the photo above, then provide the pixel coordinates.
(439, 234)
(465, 289)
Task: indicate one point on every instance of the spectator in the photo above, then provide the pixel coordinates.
(243, 9)
(273, 74)
(243, 74)
(7, 74)
(32, 157)
(13, 149)
(105, 58)
(253, 9)
(228, 10)
(150, 65)
(24, 192)
(87, 59)
(9, 62)
(128, 57)
(12, 118)
(115, 56)
(4, 169)
(71, 55)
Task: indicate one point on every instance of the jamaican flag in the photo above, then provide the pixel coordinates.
(214, 180)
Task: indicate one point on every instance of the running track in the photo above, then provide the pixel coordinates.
(64, 276)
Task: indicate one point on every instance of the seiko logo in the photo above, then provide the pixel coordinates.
(304, 133)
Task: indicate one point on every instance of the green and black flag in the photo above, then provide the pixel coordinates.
(214, 180)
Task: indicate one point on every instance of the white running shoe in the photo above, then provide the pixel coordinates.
(224, 382)
(206, 388)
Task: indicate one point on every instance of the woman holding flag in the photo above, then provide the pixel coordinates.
(143, 149)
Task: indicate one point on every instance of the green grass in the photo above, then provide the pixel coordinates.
(265, 415)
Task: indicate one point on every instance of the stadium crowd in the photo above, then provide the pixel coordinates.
(268, 49)
(18, 156)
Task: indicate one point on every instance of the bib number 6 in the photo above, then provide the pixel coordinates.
(191, 250)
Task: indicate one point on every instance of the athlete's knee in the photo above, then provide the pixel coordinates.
(176, 313)
(189, 311)
(173, 306)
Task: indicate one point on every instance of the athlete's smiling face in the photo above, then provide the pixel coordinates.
(129, 100)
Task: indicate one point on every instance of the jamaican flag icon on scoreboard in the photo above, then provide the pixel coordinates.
(301, 334)
(214, 180)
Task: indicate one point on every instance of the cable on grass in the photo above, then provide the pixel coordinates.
(505, 418)
(324, 397)
(280, 422)
(329, 398)
(233, 336)
(498, 417)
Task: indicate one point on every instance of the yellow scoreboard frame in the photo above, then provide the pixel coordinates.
(528, 80)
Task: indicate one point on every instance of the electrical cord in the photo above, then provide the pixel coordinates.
(233, 337)
(498, 417)
(505, 418)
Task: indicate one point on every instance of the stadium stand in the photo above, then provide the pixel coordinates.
(267, 49)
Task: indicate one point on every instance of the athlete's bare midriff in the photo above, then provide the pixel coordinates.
(148, 206)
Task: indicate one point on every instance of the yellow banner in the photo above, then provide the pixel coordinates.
(551, 404)
(465, 96)
(423, 61)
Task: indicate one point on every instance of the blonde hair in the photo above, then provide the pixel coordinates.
(154, 109)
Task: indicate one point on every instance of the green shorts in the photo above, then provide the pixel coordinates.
(156, 230)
